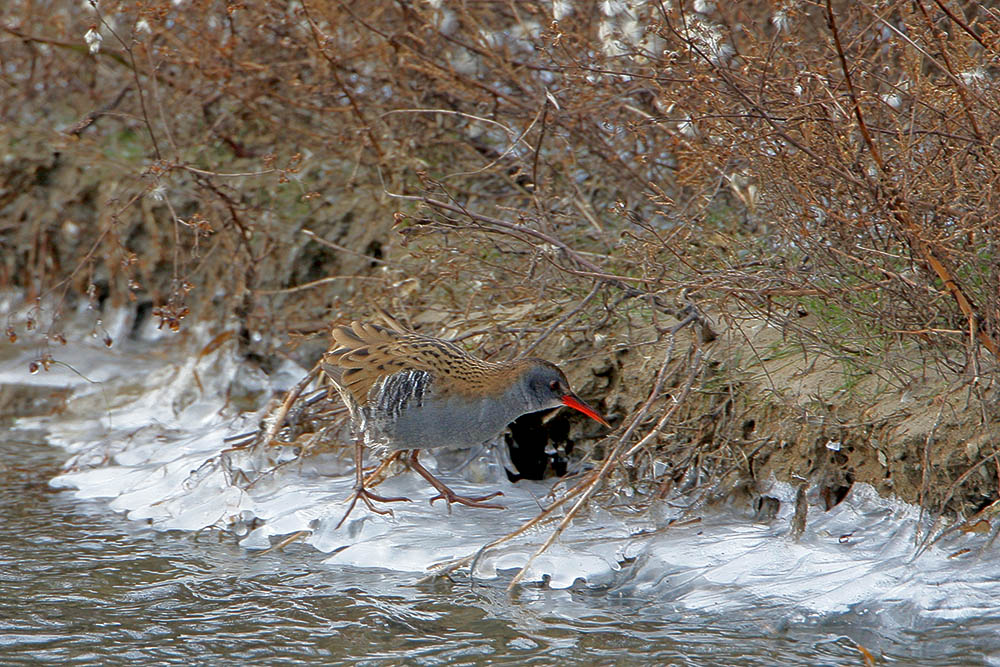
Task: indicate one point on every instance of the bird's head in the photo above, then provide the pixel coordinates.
(545, 386)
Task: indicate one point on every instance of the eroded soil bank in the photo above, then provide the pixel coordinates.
(760, 403)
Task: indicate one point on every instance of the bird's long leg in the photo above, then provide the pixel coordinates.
(447, 494)
(359, 487)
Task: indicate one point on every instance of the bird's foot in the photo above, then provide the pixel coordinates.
(367, 496)
(450, 497)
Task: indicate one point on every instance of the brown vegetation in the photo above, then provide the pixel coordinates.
(817, 181)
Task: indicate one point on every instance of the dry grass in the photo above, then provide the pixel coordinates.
(523, 175)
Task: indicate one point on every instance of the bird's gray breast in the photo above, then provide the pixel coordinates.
(404, 412)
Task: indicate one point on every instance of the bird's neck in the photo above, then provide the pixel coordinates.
(515, 400)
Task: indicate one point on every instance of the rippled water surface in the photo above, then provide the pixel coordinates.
(82, 585)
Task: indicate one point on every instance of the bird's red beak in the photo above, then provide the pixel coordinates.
(575, 403)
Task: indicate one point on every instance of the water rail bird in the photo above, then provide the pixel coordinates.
(409, 392)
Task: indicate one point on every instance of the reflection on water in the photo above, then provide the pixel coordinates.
(81, 584)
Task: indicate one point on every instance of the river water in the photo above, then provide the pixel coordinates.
(83, 585)
(103, 563)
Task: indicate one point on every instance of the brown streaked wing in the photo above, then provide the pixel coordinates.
(367, 352)
(362, 352)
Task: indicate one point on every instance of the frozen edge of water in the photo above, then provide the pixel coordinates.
(162, 426)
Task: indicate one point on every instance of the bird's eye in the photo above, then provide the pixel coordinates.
(554, 385)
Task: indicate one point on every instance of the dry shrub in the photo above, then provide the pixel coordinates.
(515, 167)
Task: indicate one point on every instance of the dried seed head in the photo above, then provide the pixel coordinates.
(93, 39)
